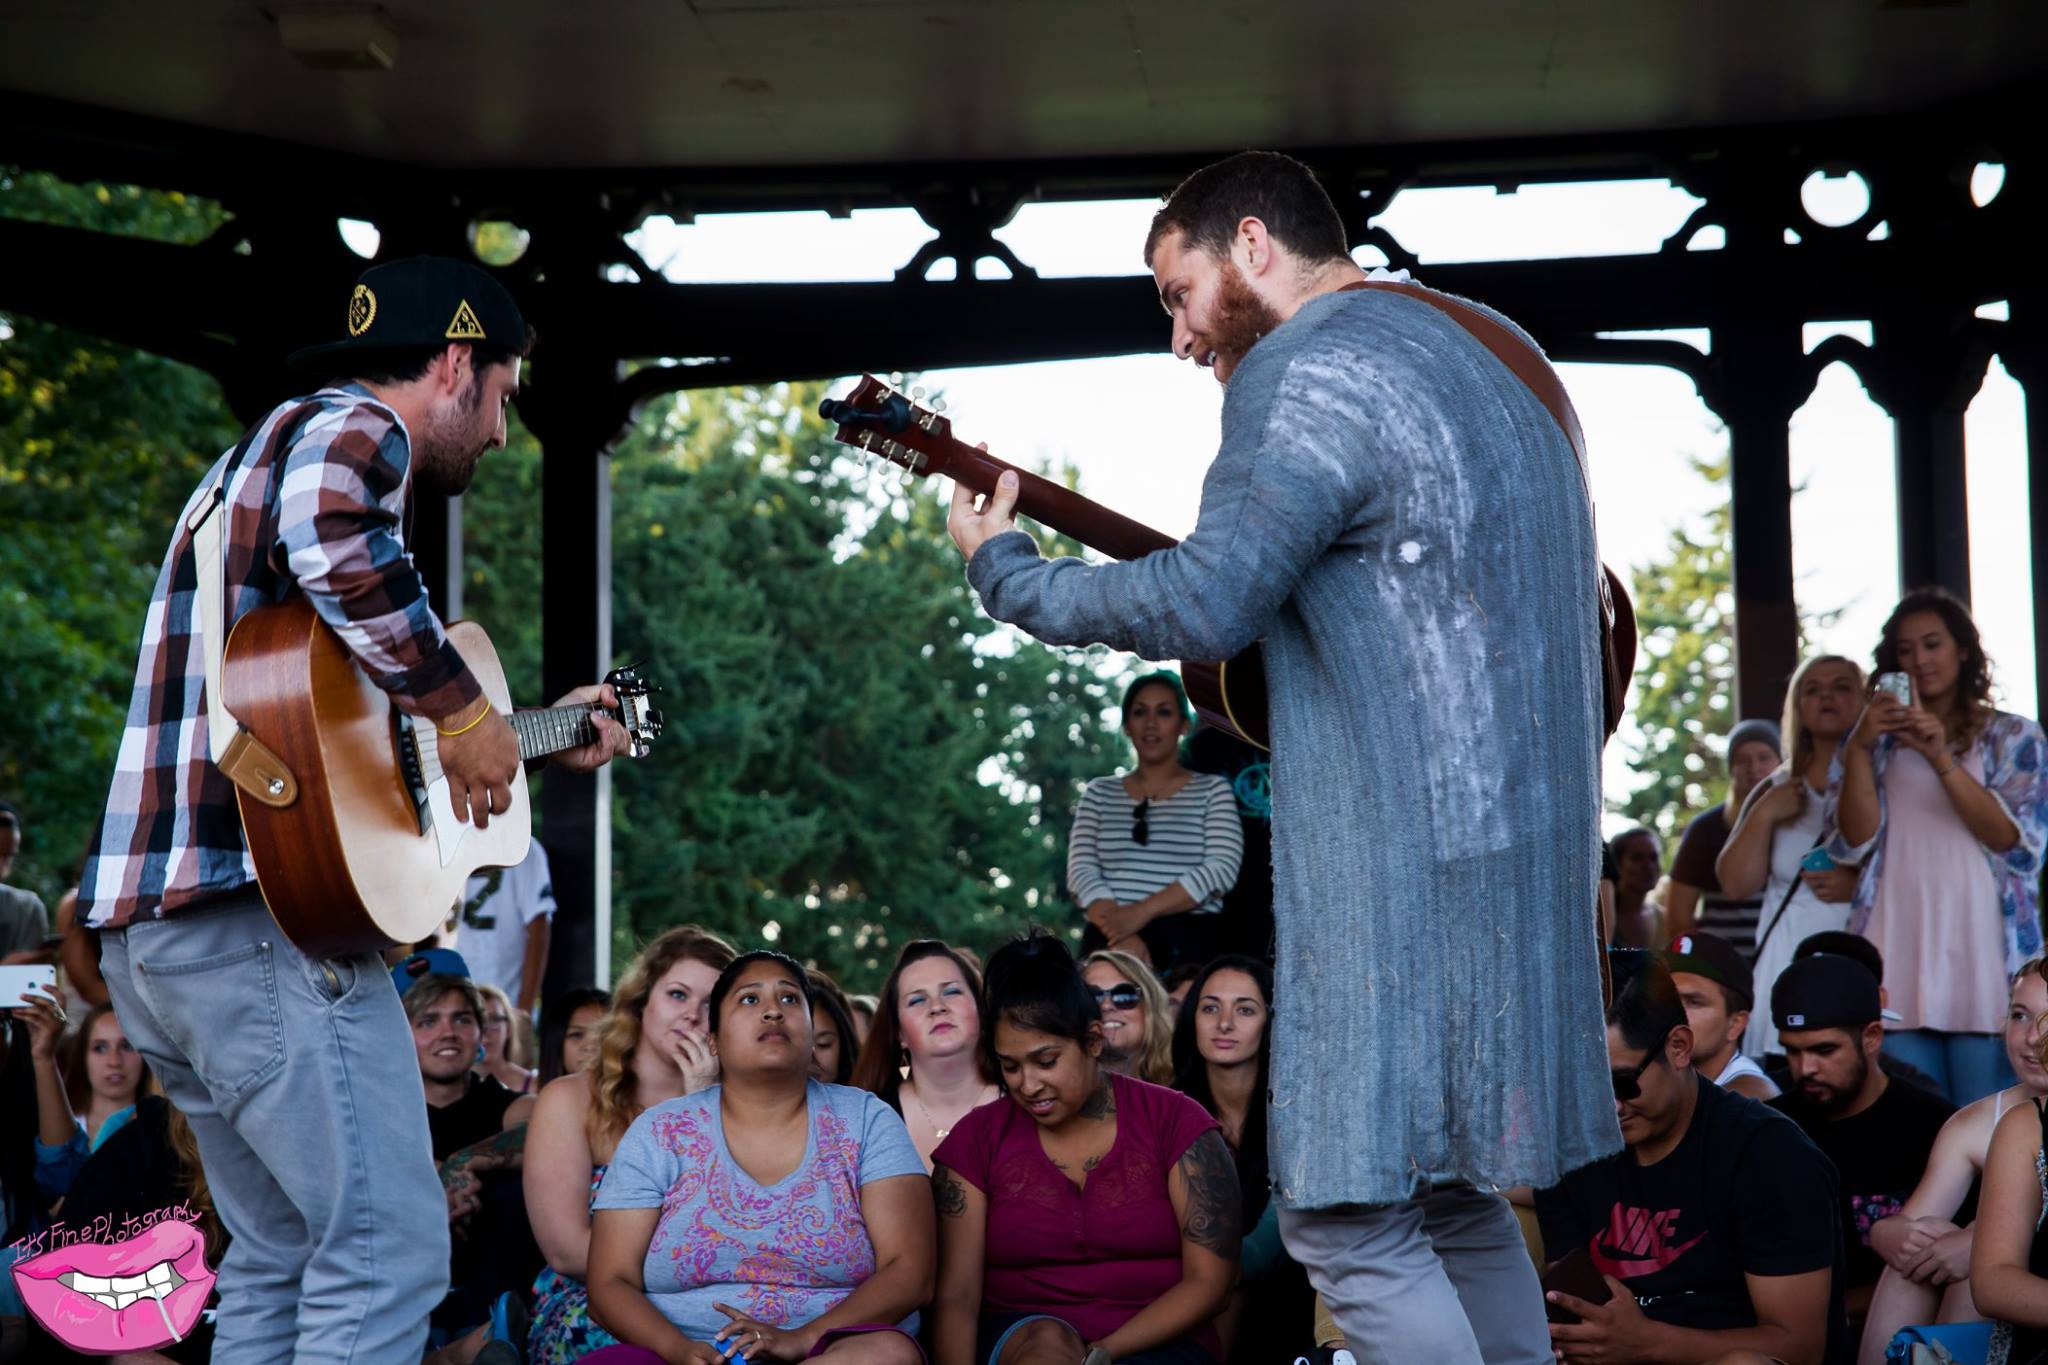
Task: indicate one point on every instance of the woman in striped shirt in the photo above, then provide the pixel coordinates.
(1153, 851)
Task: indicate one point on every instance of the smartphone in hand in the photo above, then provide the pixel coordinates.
(17, 980)
(1577, 1276)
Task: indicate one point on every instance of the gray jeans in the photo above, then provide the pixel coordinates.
(1445, 1278)
(302, 1086)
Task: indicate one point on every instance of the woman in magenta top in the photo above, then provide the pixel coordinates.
(1086, 1210)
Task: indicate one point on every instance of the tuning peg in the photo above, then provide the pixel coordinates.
(939, 404)
(917, 394)
(895, 379)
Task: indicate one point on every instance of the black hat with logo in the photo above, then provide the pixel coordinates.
(1825, 990)
(1714, 958)
(420, 303)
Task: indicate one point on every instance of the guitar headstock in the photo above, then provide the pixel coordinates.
(883, 422)
(636, 709)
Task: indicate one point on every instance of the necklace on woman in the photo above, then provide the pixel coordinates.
(981, 1097)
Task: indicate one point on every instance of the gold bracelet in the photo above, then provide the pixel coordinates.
(450, 734)
(1944, 772)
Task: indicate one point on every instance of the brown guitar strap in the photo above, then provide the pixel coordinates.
(1527, 363)
(1530, 366)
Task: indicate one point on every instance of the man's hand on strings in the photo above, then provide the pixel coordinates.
(611, 738)
(974, 519)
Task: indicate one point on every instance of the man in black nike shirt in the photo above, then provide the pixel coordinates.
(1877, 1131)
(1716, 1231)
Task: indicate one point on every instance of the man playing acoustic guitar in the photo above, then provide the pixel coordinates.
(298, 1073)
(1404, 524)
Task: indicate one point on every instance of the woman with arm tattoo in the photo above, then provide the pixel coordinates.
(1087, 1212)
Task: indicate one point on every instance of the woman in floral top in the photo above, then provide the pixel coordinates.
(1944, 803)
(770, 1217)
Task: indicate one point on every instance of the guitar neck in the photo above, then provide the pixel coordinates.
(553, 729)
(1059, 507)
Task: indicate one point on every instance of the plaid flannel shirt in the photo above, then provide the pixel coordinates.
(317, 506)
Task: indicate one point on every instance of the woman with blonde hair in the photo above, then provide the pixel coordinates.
(655, 1045)
(1782, 831)
(499, 1023)
(1137, 1018)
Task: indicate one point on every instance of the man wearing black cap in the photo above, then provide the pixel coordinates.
(1877, 1133)
(1719, 990)
(295, 1072)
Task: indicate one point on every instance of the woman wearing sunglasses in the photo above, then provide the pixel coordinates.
(1137, 1017)
(1153, 851)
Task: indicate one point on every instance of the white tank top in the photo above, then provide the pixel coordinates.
(1741, 1065)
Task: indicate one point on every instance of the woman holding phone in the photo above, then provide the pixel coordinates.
(1942, 799)
(1777, 847)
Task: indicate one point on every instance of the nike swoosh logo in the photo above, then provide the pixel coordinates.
(1628, 1270)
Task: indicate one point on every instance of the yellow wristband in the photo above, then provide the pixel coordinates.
(450, 734)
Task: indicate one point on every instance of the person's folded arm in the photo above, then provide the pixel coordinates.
(2009, 1207)
(1744, 863)
(1203, 1188)
(963, 1230)
(1288, 479)
(1927, 1213)
(338, 536)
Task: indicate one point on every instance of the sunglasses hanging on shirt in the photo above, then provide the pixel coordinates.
(1141, 827)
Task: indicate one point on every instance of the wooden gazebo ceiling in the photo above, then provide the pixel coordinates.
(764, 83)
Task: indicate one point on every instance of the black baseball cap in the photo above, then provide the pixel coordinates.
(1716, 959)
(1825, 990)
(422, 302)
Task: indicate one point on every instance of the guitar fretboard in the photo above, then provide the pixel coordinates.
(553, 729)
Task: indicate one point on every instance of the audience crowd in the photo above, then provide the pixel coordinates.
(1828, 1042)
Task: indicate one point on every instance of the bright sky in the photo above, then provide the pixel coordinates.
(1142, 429)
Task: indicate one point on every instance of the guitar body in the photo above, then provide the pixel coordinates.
(346, 868)
(1231, 695)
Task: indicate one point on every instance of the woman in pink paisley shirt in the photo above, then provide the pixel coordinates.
(771, 1217)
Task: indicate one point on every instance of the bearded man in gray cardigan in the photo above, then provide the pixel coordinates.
(1403, 523)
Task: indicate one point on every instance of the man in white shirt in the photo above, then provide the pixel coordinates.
(1719, 990)
(503, 925)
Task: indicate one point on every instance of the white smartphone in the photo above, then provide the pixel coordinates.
(1898, 684)
(17, 981)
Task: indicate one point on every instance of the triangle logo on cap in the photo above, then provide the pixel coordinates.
(465, 327)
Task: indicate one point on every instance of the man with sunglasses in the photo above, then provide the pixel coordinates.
(1714, 1232)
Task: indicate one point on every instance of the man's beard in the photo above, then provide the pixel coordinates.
(1242, 318)
(443, 460)
(1831, 1099)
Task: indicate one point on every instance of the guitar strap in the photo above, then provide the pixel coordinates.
(240, 756)
(1530, 366)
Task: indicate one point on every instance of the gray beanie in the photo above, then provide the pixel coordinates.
(1756, 729)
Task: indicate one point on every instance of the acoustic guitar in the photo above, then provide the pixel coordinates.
(881, 421)
(354, 838)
